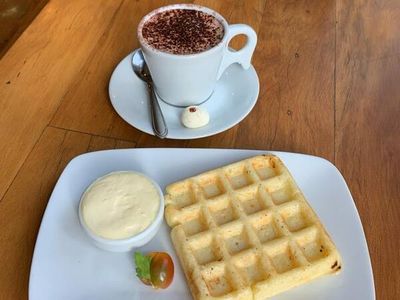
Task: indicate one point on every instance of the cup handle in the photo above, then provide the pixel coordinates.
(242, 56)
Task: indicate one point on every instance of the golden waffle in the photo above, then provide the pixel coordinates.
(245, 231)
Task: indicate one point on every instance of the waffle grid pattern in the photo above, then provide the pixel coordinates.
(245, 231)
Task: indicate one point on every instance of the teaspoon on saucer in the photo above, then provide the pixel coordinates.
(140, 68)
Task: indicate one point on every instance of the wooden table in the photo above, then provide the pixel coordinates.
(330, 86)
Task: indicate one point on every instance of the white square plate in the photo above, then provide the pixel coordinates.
(66, 265)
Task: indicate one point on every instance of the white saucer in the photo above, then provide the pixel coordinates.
(234, 97)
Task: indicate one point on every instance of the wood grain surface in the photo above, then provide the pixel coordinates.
(329, 86)
(15, 16)
(367, 144)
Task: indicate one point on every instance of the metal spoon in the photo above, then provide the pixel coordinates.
(157, 118)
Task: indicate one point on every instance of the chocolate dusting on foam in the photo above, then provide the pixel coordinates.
(182, 31)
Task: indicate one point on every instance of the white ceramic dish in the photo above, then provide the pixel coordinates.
(234, 97)
(127, 244)
(66, 265)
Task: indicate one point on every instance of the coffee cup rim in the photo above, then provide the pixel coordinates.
(207, 10)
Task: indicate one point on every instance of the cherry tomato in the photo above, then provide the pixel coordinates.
(161, 269)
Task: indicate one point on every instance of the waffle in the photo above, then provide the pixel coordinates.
(245, 231)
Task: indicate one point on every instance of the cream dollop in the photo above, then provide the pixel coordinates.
(120, 205)
(195, 117)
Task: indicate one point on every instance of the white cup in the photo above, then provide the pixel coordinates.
(190, 79)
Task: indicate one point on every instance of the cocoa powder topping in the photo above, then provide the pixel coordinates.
(182, 31)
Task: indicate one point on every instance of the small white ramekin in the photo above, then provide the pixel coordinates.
(127, 244)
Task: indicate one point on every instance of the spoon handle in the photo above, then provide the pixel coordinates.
(159, 126)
